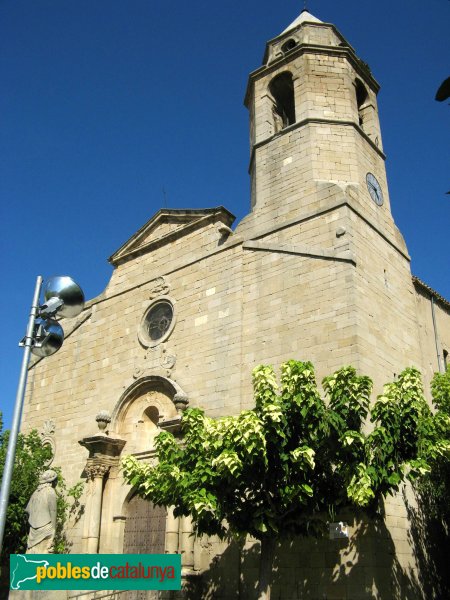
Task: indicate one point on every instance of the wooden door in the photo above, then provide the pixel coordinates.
(145, 532)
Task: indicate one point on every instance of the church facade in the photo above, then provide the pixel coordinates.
(316, 271)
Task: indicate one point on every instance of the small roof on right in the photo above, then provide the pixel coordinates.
(303, 17)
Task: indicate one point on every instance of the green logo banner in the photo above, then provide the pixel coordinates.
(95, 572)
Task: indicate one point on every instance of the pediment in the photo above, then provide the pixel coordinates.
(165, 226)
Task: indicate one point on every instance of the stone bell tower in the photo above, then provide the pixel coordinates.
(317, 171)
(313, 118)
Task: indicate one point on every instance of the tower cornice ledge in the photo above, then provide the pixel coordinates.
(312, 23)
(335, 254)
(315, 121)
(346, 51)
(342, 201)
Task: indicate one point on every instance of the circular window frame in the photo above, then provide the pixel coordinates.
(143, 334)
(289, 45)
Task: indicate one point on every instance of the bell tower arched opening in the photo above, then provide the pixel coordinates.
(361, 99)
(367, 112)
(282, 90)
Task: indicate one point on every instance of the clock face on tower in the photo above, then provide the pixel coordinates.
(374, 189)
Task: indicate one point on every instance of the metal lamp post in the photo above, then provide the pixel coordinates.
(44, 337)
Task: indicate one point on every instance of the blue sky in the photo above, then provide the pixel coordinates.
(106, 104)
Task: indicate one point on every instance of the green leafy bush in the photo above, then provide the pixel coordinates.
(281, 468)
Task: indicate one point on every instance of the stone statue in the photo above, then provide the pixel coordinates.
(41, 510)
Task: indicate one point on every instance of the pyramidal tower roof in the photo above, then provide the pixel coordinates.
(303, 17)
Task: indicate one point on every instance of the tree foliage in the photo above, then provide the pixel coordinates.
(430, 515)
(435, 485)
(283, 467)
(31, 459)
(67, 506)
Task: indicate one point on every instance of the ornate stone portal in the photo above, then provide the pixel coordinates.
(116, 520)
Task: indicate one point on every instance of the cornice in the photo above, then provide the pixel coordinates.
(431, 292)
(314, 121)
(189, 220)
(346, 51)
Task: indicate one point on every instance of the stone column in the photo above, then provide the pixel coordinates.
(187, 545)
(172, 532)
(191, 580)
(95, 473)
